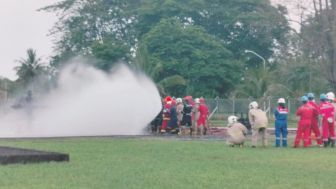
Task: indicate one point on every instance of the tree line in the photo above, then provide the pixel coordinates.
(196, 47)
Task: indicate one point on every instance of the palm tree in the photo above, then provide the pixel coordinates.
(302, 75)
(29, 68)
(260, 83)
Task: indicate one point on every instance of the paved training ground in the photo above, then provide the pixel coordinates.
(10, 155)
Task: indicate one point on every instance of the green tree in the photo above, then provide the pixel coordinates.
(85, 26)
(108, 52)
(318, 34)
(30, 68)
(260, 83)
(300, 75)
(205, 49)
(176, 49)
(238, 24)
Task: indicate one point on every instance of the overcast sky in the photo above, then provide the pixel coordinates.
(22, 27)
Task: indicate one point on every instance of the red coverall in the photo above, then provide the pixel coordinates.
(203, 110)
(306, 112)
(314, 126)
(328, 129)
(165, 116)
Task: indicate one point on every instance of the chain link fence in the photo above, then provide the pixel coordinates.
(222, 108)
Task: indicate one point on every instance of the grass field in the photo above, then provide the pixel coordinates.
(97, 163)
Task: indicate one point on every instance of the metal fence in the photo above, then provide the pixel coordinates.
(221, 108)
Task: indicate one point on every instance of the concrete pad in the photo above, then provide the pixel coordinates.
(9, 155)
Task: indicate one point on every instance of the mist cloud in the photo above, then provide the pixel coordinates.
(88, 102)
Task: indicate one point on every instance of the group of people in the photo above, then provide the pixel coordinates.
(312, 116)
(183, 116)
(316, 119)
(237, 131)
(190, 116)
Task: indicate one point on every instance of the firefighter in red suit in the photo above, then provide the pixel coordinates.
(305, 112)
(327, 113)
(203, 116)
(166, 113)
(314, 128)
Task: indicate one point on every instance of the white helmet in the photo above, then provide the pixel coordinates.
(281, 101)
(330, 96)
(197, 100)
(232, 119)
(179, 100)
(253, 105)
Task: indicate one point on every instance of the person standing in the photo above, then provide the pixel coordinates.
(179, 111)
(187, 114)
(259, 121)
(314, 127)
(166, 113)
(203, 117)
(306, 113)
(326, 110)
(280, 115)
(157, 122)
(173, 122)
(236, 132)
(331, 97)
(195, 116)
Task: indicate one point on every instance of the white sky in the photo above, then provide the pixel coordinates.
(22, 27)
(297, 9)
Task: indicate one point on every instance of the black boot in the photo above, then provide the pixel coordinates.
(332, 143)
(325, 143)
(205, 131)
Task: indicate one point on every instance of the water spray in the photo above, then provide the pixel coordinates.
(88, 102)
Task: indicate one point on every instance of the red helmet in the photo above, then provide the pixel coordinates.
(189, 99)
(202, 100)
(168, 99)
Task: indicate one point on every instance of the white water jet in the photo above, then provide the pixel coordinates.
(88, 102)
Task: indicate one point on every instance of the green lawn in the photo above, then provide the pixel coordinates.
(169, 163)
